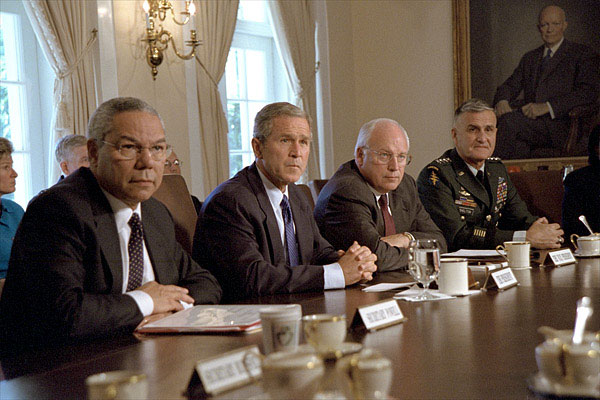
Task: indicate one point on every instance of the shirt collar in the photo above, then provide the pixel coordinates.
(475, 170)
(554, 48)
(121, 210)
(273, 193)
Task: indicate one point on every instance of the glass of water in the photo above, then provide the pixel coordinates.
(424, 264)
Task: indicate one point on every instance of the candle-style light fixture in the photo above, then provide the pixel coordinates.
(158, 37)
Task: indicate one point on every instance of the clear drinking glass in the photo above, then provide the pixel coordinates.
(424, 263)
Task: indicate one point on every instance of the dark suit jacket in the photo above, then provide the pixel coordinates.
(571, 79)
(582, 197)
(461, 207)
(65, 274)
(347, 210)
(238, 240)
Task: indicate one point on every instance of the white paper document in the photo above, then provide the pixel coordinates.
(214, 318)
(408, 295)
(469, 253)
(384, 287)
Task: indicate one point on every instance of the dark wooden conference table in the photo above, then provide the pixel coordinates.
(481, 346)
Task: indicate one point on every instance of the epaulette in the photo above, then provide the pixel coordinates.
(494, 159)
(443, 161)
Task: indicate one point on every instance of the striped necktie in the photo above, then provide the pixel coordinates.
(290, 235)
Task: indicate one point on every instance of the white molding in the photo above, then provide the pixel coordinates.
(108, 51)
(324, 124)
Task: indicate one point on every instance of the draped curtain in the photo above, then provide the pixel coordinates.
(66, 36)
(216, 24)
(294, 25)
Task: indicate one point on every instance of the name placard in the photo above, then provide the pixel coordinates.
(225, 372)
(559, 257)
(378, 315)
(500, 279)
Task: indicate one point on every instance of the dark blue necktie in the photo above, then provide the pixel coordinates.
(546, 61)
(136, 254)
(290, 235)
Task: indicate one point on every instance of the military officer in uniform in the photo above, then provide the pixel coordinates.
(469, 195)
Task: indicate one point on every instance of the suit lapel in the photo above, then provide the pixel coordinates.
(555, 60)
(468, 181)
(106, 230)
(270, 221)
(303, 230)
(152, 239)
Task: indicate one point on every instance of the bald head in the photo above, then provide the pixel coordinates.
(552, 23)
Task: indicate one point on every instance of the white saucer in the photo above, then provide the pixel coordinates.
(577, 253)
(540, 384)
(344, 349)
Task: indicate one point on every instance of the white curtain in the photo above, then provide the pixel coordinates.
(216, 24)
(294, 24)
(66, 36)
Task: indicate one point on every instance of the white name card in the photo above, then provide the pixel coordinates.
(501, 279)
(226, 371)
(378, 315)
(560, 257)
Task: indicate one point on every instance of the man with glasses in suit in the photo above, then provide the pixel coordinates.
(95, 255)
(370, 199)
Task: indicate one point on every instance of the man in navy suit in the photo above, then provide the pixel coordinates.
(256, 232)
(554, 78)
(95, 255)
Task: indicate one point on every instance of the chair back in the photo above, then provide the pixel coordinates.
(542, 191)
(306, 190)
(174, 194)
(316, 186)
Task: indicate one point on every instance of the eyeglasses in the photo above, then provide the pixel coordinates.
(384, 158)
(130, 151)
(175, 162)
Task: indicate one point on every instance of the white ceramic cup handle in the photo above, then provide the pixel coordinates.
(500, 247)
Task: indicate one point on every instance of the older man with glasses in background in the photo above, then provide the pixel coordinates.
(105, 259)
(371, 200)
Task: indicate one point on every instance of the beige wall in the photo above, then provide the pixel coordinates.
(167, 94)
(388, 59)
(392, 59)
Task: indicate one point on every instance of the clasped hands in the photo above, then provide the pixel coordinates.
(358, 263)
(530, 110)
(544, 235)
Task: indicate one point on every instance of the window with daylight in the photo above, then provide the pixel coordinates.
(21, 118)
(254, 77)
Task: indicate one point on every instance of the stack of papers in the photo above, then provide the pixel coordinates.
(409, 295)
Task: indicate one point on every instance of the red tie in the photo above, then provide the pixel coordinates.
(390, 228)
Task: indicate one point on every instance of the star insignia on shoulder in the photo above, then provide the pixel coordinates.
(443, 160)
(494, 159)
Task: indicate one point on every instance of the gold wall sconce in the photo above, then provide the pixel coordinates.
(158, 38)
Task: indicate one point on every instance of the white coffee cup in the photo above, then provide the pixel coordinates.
(453, 278)
(517, 254)
(548, 358)
(117, 385)
(324, 332)
(281, 327)
(289, 375)
(366, 375)
(582, 364)
(587, 245)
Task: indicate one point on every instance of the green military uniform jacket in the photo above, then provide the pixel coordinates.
(460, 205)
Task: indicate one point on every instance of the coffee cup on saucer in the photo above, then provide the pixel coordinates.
(582, 364)
(281, 327)
(289, 375)
(548, 359)
(586, 245)
(325, 332)
(365, 375)
(517, 254)
(453, 278)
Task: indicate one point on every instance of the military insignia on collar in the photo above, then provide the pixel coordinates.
(433, 177)
(502, 191)
(461, 173)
